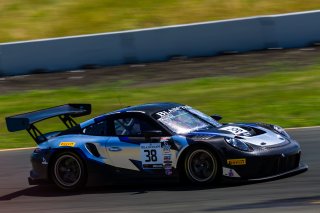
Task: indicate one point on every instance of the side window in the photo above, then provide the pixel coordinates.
(131, 126)
(96, 129)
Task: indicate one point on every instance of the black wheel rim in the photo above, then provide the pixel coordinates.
(67, 170)
(201, 166)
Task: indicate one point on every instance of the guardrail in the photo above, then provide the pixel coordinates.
(159, 44)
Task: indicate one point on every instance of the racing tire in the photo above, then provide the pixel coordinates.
(68, 171)
(201, 166)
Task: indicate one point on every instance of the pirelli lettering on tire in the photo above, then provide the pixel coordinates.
(237, 162)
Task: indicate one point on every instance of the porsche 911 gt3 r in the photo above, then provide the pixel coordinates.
(154, 141)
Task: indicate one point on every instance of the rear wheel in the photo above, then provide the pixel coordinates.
(201, 166)
(68, 171)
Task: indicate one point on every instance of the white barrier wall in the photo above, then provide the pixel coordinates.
(159, 44)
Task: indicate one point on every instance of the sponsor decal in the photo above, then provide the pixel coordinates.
(152, 166)
(70, 144)
(164, 139)
(166, 148)
(169, 111)
(168, 166)
(237, 162)
(167, 157)
(229, 172)
(168, 169)
(44, 161)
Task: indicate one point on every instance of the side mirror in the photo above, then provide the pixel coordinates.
(216, 117)
(152, 133)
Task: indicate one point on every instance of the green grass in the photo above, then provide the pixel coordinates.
(289, 99)
(33, 19)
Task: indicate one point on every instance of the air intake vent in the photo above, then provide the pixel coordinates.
(93, 149)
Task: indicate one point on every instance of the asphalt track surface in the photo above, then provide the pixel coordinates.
(300, 193)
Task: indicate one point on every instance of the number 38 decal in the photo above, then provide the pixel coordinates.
(151, 155)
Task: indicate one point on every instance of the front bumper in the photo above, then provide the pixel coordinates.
(300, 169)
(261, 164)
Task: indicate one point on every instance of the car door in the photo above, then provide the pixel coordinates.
(130, 149)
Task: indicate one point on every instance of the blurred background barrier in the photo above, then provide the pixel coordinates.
(160, 44)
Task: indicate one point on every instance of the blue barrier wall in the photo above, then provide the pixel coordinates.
(159, 44)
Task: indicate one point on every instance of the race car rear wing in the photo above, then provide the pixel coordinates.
(64, 112)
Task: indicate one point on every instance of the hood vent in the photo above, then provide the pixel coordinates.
(253, 131)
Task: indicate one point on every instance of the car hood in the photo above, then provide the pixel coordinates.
(256, 134)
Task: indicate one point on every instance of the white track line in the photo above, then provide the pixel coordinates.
(26, 148)
(16, 149)
(307, 127)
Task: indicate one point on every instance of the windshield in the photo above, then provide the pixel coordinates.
(204, 116)
(184, 119)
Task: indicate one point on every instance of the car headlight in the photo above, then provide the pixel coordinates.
(236, 143)
(281, 131)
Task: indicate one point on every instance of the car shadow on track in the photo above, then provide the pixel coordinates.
(134, 189)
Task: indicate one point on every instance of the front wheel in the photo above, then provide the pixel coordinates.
(201, 166)
(68, 171)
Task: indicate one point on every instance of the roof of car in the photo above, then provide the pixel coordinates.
(148, 109)
(151, 108)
